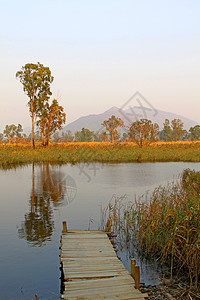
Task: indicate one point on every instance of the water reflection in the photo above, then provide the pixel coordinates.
(50, 188)
(24, 198)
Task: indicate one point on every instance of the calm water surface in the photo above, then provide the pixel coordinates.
(35, 199)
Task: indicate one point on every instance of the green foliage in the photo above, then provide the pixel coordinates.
(173, 131)
(111, 126)
(13, 132)
(67, 136)
(51, 118)
(143, 132)
(85, 135)
(36, 80)
(99, 136)
(166, 132)
(195, 133)
(177, 129)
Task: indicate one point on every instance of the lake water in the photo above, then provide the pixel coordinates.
(35, 199)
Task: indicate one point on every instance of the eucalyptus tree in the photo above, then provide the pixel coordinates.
(36, 80)
(13, 132)
(99, 136)
(111, 125)
(195, 133)
(167, 131)
(51, 118)
(67, 136)
(177, 129)
(85, 135)
(143, 132)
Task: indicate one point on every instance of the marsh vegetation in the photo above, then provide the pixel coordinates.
(104, 152)
(166, 226)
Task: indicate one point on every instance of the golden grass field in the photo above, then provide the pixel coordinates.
(75, 152)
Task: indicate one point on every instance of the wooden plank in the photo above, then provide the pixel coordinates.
(89, 254)
(89, 249)
(121, 297)
(83, 246)
(98, 273)
(86, 241)
(90, 267)
(81, 234)
(99, 260)
(105, 291)
(92, 270)
(74, 231)
(90, 260)
(94, 274)
(107, 282)
(91, 264)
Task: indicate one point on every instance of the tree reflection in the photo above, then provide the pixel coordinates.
(49, 188)
(38, 225)
(53, 184)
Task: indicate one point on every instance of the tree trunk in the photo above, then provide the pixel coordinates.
(112, 138)
(47, 140)
(43, 137)
(33, 139)
(33, 119)
(140, 142)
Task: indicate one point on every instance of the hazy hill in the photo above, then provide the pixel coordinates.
(93, 122)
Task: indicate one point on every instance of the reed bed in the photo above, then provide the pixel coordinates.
(12, 154)
(167, 226)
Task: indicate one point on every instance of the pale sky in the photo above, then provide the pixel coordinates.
(101, 52)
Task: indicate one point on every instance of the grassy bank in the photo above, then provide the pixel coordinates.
(167, 227)
(100, 152)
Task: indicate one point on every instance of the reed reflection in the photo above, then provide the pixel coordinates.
(50, 188)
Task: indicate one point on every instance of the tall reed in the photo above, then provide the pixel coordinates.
(167, 226)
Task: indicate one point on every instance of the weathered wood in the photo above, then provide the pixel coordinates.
(106, 282)
(107, 267)
(137, 277)
(126, 297)
(64, 226)
(133, 263)
(104, 291)
(92, 270)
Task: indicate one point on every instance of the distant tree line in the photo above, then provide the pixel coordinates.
(142, 132)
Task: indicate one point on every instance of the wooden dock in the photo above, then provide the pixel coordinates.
(91, 269)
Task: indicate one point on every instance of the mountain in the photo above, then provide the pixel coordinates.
(93, 122)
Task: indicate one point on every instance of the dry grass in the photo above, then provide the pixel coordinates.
(167, 226)
(11, 154)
